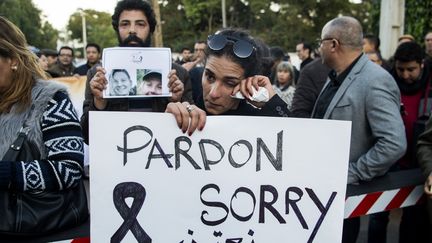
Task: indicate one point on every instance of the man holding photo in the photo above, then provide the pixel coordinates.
(134, 22)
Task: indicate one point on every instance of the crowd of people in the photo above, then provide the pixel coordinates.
(389, 102)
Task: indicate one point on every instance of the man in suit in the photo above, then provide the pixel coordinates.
(359, 91)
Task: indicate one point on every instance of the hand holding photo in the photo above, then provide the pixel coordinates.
(137, 72)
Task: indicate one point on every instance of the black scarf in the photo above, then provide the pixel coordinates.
(410, 89)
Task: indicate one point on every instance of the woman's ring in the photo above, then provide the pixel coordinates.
(189, 108)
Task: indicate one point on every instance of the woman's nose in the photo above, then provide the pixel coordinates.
(215, 91)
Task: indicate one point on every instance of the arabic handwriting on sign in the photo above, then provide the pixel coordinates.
(137, 193)
(219, 234)
(190, 232)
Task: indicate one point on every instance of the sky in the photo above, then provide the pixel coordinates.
(57, 12)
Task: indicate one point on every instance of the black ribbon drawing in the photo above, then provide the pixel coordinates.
(137, 193)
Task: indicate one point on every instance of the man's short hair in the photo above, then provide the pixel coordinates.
(66, 48)
(307, 46)
(409, 51)
(201, 42)
(141, 5)
(95, 46)
(185, 49)
(374, 40)
(348, 31)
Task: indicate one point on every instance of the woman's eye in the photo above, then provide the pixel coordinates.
(231, 84)
(210, 77)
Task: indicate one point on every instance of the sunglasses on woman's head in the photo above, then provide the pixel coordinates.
(241, 48)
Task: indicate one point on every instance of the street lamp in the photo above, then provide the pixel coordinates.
(223, 14)
(84, 30)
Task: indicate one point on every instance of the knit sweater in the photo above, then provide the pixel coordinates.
(61, 164)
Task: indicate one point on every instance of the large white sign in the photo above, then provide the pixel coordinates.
(242, 179)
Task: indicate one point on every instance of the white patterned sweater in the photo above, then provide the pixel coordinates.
(63, 142)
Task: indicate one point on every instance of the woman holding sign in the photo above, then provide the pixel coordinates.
(232, 84)
(41, 146)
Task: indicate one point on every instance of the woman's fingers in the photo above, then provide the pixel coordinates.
(188, 117)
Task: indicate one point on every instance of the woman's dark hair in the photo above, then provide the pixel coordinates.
(141, 5)
(252, 64)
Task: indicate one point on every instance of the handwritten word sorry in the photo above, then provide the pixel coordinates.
(293, 197)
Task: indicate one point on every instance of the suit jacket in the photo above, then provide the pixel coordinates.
(370, 98)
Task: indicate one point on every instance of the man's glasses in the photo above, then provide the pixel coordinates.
(241, 48)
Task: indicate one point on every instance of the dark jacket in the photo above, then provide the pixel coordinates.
(305, 62)
(312, 79)
(124, 104)
(424, 157)
(83, 69)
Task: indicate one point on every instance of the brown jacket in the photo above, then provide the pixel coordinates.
(58, 70)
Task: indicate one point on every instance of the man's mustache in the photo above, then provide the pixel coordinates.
(133, 38)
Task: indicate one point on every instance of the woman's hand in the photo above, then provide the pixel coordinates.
(248, 85)
(189, 117)
(97, 85)
(175, 86)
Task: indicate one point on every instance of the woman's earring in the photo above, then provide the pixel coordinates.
(14, 68)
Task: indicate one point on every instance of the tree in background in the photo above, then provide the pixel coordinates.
(418, 18)
(99, 29)
(26, 16)
(279, 22)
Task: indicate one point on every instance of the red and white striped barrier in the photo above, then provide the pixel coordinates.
(78, 240)
(375, 202)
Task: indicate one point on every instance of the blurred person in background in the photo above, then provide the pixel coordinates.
(64, 66)
(405, 38)
(428, 47)
(375, 57)
(185, 55)
(284, 83)
(93, 52)
(304, 52)
(51, 55)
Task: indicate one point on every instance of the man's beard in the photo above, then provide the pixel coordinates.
(133, 38)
